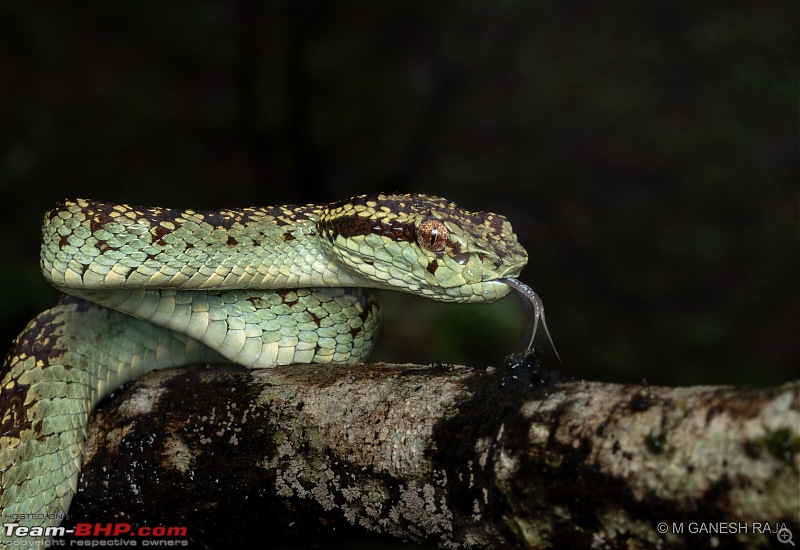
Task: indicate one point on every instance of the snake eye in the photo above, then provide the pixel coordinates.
(432, 235)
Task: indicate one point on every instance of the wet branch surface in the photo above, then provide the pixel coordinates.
(442, 455)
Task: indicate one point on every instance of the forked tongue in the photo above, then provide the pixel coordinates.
(538, 310)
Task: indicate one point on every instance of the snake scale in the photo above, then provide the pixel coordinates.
(154, 288)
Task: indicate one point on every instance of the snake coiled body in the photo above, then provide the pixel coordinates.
(153, 288)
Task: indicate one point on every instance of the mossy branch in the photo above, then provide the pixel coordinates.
(458, 457)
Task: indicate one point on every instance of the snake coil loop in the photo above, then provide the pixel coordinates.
(154, 288)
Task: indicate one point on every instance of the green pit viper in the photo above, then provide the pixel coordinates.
(154, 288)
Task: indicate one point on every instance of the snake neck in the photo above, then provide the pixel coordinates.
(93, 245)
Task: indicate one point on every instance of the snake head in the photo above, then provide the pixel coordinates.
(423, 244)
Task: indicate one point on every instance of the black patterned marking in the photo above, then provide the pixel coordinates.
(356, 226)
(158, 233)
(283, 293)
(97, 220)
(99, 213)
(37, 342)
(15, 417)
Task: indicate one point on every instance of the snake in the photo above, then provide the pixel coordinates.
(155, 288)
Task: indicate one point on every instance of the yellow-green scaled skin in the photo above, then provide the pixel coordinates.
(156, 288)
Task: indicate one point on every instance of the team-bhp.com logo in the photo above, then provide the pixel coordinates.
(151, 536)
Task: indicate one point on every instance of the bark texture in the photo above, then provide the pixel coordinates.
(449, 456)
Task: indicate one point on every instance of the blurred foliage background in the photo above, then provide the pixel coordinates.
(646, 154)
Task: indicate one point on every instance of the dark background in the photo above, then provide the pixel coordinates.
(646, 154)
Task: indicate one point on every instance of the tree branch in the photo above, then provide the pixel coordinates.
(458, 457)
